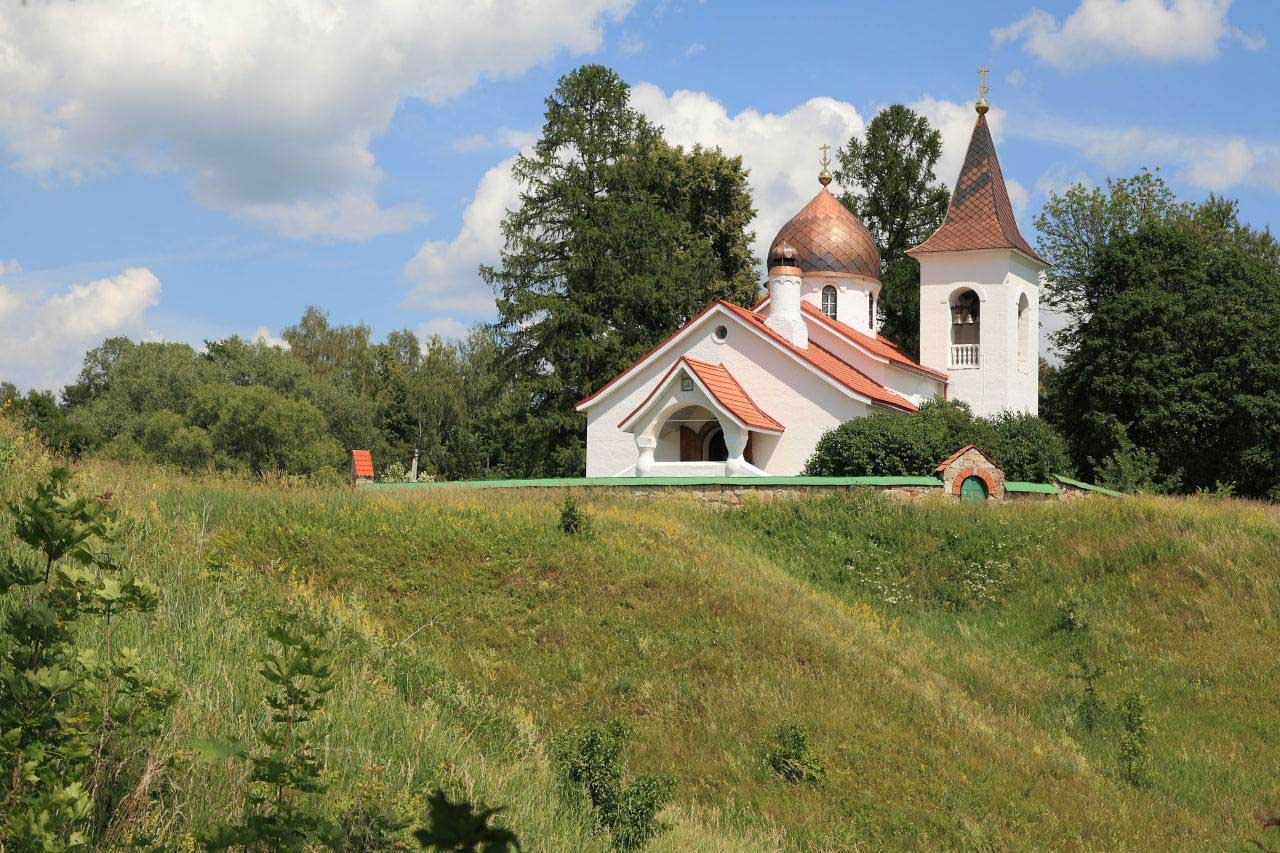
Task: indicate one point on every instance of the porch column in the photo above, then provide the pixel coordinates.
(646, 443)
(735, 440)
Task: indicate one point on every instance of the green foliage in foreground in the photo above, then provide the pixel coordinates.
(938, 657)
(889, 444)
(70, 719)
(591, 763)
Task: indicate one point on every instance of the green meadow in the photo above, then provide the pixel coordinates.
(962, 673)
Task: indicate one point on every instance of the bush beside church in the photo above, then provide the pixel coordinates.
(888, 444)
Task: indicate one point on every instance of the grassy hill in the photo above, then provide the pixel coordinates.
(934, 654)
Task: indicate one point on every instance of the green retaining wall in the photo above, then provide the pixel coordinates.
(647, 482)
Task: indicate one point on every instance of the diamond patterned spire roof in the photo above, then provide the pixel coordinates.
(979, 215)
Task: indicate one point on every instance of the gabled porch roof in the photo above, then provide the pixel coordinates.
(723, 391)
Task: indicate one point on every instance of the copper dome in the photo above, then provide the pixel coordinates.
(828, 238)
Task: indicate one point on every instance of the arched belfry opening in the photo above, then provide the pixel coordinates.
(966, 329)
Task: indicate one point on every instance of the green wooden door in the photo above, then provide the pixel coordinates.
(973, 489)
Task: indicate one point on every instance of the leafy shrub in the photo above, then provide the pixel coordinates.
(1090, 709)
(1130, 468)
(72, 721)
(891, 444)
(1135, 736)
(393, 472)
(591, 765)
(1070, 616)
(458, 826)
(788, 754)
(283, 809)
(573, 521)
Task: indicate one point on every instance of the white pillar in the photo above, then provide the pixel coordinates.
(735, 440)
(645, 444)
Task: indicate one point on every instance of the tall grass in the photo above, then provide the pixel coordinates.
(919, 646)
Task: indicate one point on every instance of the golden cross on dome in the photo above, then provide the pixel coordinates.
(982, 105)
(824, 177)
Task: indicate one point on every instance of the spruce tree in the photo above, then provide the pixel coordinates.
(889, 183)
(619, 238)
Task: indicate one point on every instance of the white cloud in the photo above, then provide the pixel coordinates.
(502, 138)
(631, 45)
(269, 108)
(262, 335)
(1103, 30)
(10, 267)
(1206, 162)
(779, 149)
(1059, 179)
(446, 327)
(444, 273)
(44, 336)
(1018, 196)
(694, 49)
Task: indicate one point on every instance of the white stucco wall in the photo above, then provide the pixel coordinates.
(1002, 381)
(805, 403)
(853, 293)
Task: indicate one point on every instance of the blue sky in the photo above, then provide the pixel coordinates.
(185, 170)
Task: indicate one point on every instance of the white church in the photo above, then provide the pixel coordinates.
(737, 392)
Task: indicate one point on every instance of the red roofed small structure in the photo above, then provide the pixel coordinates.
(361, 466)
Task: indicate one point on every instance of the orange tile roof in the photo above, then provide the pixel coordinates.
(979, 215)
(953, 457)
(730, 394)
(879, 344)
(842, 372)
(363, 462)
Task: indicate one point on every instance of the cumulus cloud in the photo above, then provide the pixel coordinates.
(44, 335)
(10, 267)
(1104, 30)
(1207, 162)
(269, 108)
(780, 149)
(444, 272)
(777, 148)
(262, 335)
(446, 327)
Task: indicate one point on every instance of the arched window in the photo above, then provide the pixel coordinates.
(829, 301)
(1024, 332)
(966, 329)
(871, 312)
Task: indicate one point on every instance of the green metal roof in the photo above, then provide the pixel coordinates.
(1088, 487)
(645, 482)
(1040, 488)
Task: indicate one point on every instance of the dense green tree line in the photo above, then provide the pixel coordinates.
(1166, 375)
(248, 406)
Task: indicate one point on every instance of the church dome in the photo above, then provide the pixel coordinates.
(826, 237)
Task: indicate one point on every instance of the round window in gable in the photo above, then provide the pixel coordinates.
(721, 334)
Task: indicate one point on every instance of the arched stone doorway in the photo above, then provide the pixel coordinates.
(973, 489)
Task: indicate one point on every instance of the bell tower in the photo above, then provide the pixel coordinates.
(979, 289)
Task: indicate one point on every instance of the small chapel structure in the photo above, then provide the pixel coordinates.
(749, 392)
